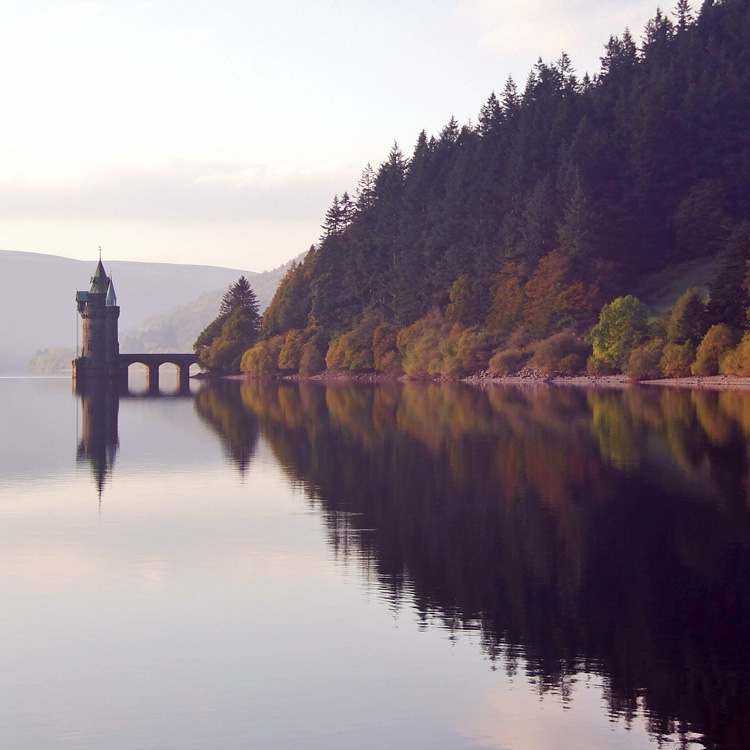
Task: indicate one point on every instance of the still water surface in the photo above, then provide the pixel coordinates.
(419, 566)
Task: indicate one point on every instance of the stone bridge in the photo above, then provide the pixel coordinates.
(154, 361)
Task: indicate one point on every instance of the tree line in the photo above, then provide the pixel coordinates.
(497, 244)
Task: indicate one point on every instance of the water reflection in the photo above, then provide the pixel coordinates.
(237, 428)
(99, 413)
(592, 531)
(100, 406)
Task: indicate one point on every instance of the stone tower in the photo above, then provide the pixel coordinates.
(100, 352)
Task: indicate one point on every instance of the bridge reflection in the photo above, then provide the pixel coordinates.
(100, 406)
(153, 362)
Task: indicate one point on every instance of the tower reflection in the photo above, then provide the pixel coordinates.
(100, 407)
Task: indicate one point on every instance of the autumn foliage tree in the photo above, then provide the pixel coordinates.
(508, 300)
(554, 299)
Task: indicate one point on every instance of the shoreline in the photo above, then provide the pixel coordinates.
(619, 382)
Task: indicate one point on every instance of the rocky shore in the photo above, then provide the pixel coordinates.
(532, 377)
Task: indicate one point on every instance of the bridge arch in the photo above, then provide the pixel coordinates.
(153, 361)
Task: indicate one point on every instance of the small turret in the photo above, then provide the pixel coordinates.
(111, 296)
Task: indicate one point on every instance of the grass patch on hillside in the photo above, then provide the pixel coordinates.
(661, 290)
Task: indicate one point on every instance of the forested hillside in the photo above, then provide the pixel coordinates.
(492, 237)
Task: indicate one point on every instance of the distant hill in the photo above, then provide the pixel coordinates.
(37, 291)
(177, 329)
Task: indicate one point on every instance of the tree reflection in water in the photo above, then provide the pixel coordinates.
(582, 530)
(237, 428)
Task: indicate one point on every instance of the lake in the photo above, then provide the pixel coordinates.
(397, 566)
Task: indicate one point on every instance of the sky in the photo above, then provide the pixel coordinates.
(218, 133)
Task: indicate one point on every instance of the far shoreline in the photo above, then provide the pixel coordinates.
(619, 382)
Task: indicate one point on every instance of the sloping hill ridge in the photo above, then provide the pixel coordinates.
(177, 329)
(37, 293)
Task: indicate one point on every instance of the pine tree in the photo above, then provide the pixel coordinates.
(490, 115)
(510, 100)
(620, 55)
(684, 15)
(335, 220)
(221, 344)
(575, 230)
(728, 291)
(364, 197)
(239, 295)
(658, 32)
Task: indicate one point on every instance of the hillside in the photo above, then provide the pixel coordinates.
(566, 194)
(37, 291)
(177, 329)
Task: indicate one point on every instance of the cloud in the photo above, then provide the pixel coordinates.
(225, 214)
(546, 28)
(177, 193)
(253, 115)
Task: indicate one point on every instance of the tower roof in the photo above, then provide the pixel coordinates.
(100, 280)
(111, 296)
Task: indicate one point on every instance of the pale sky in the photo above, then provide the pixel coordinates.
(218, 132)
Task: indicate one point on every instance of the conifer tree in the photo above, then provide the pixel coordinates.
(489, 116)
(510, 99)
(364, 196)
(684, 15)
(728, 292)
(221, 344)
(239, 295)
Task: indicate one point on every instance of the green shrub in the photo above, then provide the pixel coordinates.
(385, 350)
(508, 362)
(595, 366)
(687, 320)
(622, 326)
(291, 351)
(419, 345)
(644, 361)
(676, 360)
(737, 361)
(446, 363)
(312, 360)
(334, 359)
(353, 349)
(473, 350)
(716, 343)
(563, 353)
(260, 361)
(239, 331)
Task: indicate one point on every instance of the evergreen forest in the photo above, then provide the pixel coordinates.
(521, 241)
